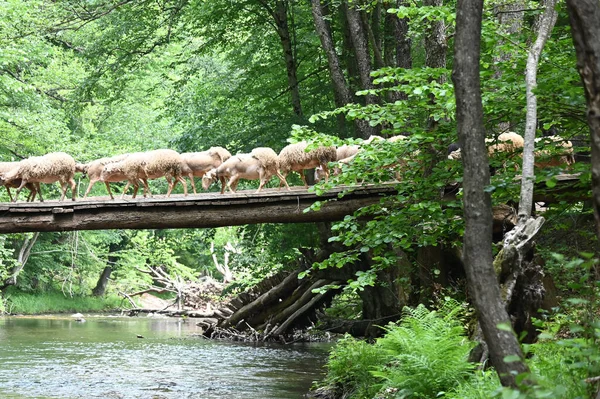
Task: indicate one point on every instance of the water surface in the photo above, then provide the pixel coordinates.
(57, 357)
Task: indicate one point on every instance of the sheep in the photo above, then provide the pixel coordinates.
(148, 165)
(563, 155)
(199, 163)
(508, 142)
(261, 164)
(49, 168)
(94, 171)
(345, 152)
(8, 166)
(373, 138)
(294, 157)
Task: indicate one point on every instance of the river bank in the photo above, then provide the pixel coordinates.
(17, 302)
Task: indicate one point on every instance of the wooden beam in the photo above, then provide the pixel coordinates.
(194, 211)
(216, 210)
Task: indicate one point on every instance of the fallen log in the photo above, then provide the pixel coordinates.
(300, 312)
(268, 298)
(307, 295)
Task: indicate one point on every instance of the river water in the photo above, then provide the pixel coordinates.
(57, 357)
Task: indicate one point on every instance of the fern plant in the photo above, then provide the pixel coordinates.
(349, 366)
(428, 353)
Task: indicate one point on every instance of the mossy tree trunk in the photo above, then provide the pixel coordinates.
(477, 251)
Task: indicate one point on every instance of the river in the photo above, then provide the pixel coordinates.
(103, 357)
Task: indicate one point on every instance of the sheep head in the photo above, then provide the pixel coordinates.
(82, 168)
(209, 178)
(8, 177)
(111, 169)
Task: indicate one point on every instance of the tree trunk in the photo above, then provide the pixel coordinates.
(545, 28)
(102, 284)
(510, 17)
(100, 288)
(361, 48)
(22, 259)
(363, 61)
(384, 301)
(435, 40)
(375, 36)
(435, 56)
(477, 251)
(341, 92)
(397, 44)
(280, 15)
(584, 17)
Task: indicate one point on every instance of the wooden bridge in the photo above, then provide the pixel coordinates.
(213, 209)
(178, 211)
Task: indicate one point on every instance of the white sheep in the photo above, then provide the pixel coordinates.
(509, 142)
(199, 163)
(345, 152)
(561, 156)
(8, 166)
(49, 168)
(294, 157)
(94, 170)
(261, 164)
(148, 165)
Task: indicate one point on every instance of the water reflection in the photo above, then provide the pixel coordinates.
(103, 358)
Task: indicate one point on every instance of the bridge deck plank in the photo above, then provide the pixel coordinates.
(206, 209)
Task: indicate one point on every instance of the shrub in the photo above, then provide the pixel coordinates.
(349, 368)
(428, 353)
(420, 357)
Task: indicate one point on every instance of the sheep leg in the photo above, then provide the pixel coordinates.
(38, 189)
(23, 183)
(63, 189)
(233, 182)
(185, 190)
(263, 179)
(136, 187)
(282, 180)
(223, 184)
(9, 195)
(124, 190)
(89, 188)
(146, 188)
(191, 176)
(108, 189)
(32, 192)
(301, 173)
(73, 186)
(171, 184)
(326, 170)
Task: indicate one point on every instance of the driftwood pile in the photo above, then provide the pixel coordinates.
(280, 308)
(202, 294)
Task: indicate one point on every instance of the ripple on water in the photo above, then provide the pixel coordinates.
(106, 360)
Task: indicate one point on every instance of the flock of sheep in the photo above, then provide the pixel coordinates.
(214, 164)
(511, 142)
(211, 165)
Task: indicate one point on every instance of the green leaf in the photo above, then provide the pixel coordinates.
(512, 359)
(505, 327)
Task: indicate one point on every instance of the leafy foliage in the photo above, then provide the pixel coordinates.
(419, 357)
(428, 351)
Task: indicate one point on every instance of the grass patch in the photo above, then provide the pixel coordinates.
(18, 302)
